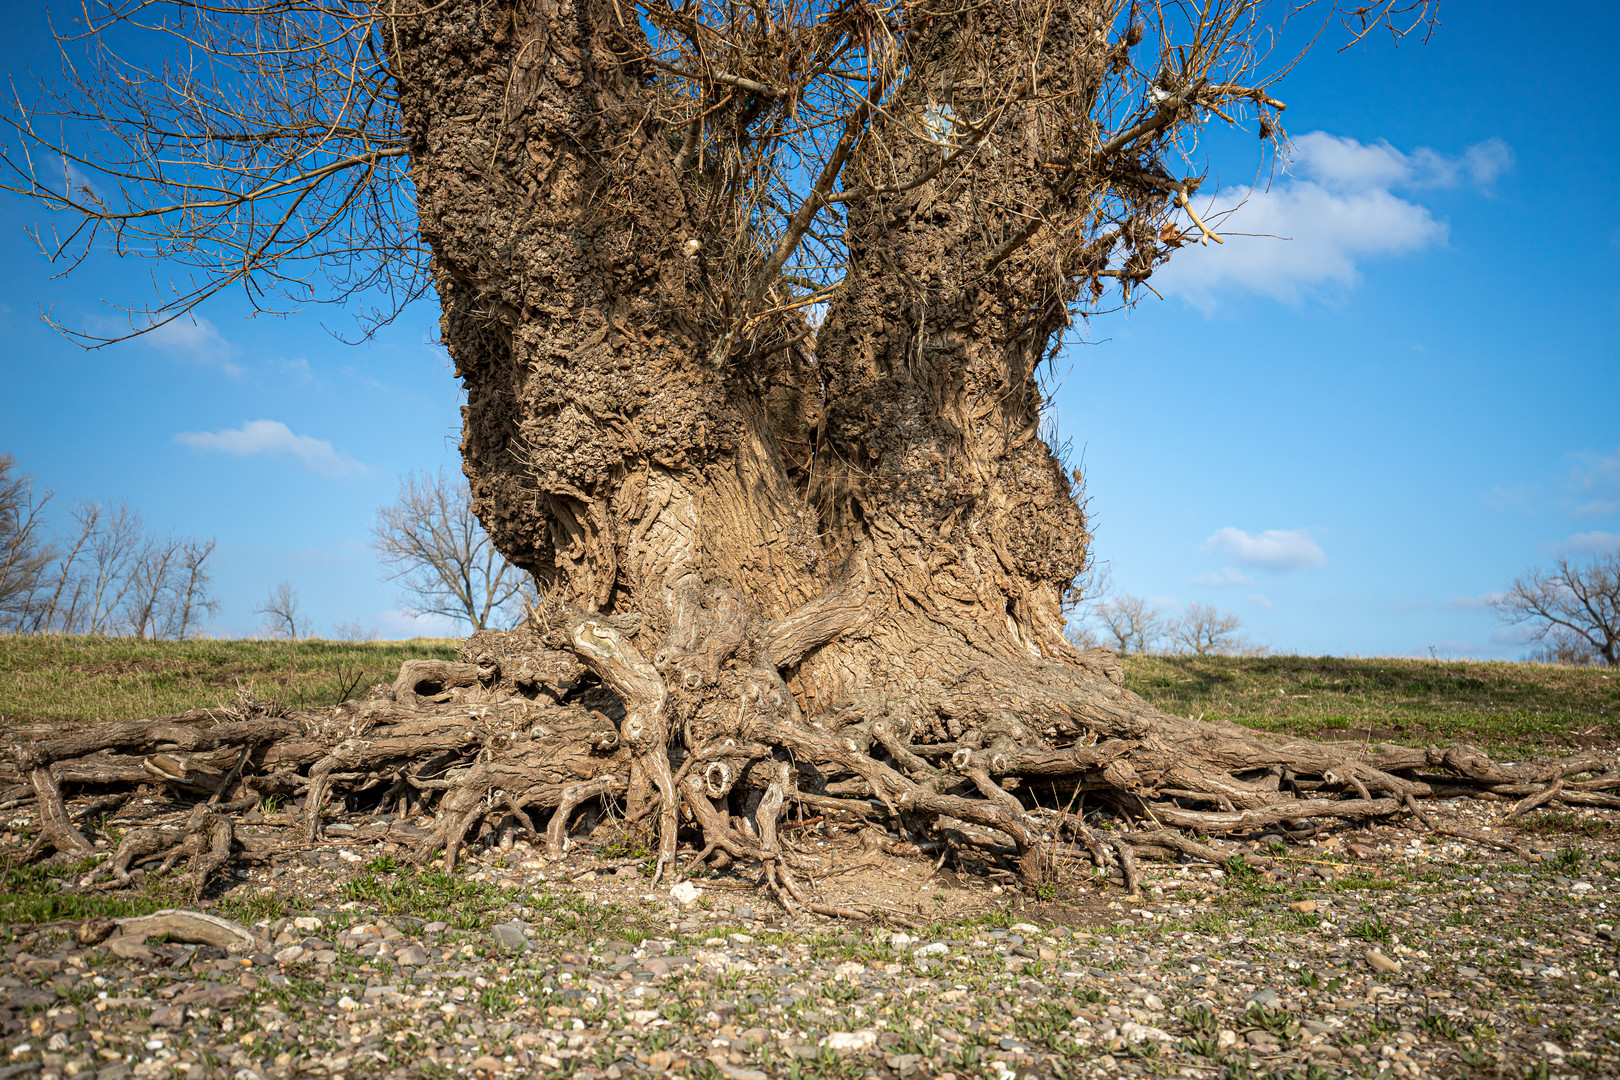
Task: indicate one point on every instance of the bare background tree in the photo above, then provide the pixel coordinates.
(283, 618)
(1132, 623)
(442, 556)
(25, 551)
(1573, 607)
(106, 577)
(1204, 629)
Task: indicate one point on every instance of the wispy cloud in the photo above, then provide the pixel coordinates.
(1275, 550)
(274, 437)
(1585, 543)
(1308, 233)
(1227, 577)
(1595, 484)
(405, 624)
(1482, 602)
(1262, 601)
(195, 340)
(1591, 488)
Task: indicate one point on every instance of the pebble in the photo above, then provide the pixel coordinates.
(1381, 963)
(1265, 998)
(509, 936)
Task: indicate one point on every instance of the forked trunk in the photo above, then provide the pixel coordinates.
(873, 504)
(847, 547)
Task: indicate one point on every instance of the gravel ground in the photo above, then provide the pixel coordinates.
(1376, 951)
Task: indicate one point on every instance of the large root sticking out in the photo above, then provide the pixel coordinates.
(704, 749)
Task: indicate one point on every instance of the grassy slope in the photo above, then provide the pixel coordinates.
(80, 678)
(1500, 706)
(1495, 705)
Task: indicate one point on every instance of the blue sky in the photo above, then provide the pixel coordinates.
(1350, 436)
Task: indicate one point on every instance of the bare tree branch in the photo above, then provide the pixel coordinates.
(441, 555)
(1579, 600)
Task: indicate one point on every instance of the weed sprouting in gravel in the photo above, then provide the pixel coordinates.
(1568, 860)
(1202, 1045)
(1558, 824)
(1373, 929)
(252, 908)
(1277, 1021)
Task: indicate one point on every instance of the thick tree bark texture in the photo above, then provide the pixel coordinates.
(825, 564)
(786, 567)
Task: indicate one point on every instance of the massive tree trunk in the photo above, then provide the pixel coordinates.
(783, 562)
(875, 499)
(849, 546)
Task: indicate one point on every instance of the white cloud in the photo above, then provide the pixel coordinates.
(1591, 489)
(1513, 635)
(1482, 602)
(1227, 577)
(298, 370)
(1307, 233)
(1588, 543)
(274, 437)
(1595, 481)
(1262, 601)
(195, 339)
(397, 624)
(1274, 549)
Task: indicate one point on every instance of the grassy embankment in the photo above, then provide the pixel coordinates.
(82, 678)
(1507, 708)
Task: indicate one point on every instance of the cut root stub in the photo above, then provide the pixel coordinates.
(544, 728)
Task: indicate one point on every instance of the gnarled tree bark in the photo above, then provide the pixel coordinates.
(784, 560)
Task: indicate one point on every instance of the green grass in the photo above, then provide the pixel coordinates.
(474, 905)
(1506, 708)
(45, 679)
(1500, 706)
(1565, 824)
(33, 894)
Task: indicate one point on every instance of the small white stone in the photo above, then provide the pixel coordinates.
(306, 923)
(936, 948)
(1552, 1050)
(1135, 1033)
(685, 894)
(1581, 886)
(290, 955)
(348, 1003)
(851, 1040)
(1153, 1002)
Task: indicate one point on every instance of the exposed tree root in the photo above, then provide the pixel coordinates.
(716, 766)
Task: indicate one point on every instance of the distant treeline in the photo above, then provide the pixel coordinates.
(102, 573)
